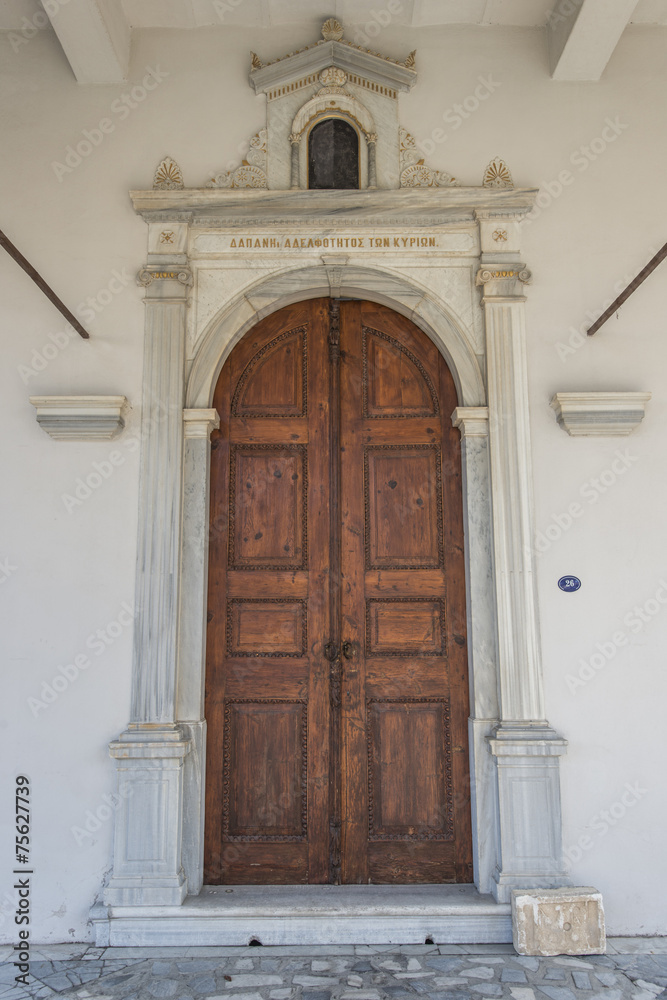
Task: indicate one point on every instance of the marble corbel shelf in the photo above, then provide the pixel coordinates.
(601, 414)
(81, 418)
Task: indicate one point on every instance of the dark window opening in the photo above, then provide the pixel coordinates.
(333, 155)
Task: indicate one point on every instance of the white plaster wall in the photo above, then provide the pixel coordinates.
(73, 570)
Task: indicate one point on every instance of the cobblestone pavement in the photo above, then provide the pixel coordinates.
(339, 972)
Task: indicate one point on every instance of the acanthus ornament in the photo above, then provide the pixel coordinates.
(168, 176)
(252, 171)
(497, 175)
(414, 172)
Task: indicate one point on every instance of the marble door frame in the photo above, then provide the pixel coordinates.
(468, 297)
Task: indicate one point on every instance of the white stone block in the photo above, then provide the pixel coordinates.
(558, 921)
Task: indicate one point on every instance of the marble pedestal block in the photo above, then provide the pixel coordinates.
(558, 921)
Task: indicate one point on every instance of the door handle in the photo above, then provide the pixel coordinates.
(330, 651)
(349, 650)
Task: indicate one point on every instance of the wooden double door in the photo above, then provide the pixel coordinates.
(336, 691)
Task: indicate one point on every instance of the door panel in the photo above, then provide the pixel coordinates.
(267, 698)
(405, 707)
(336, 692)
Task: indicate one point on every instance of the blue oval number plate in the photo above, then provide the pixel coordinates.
(569, 584)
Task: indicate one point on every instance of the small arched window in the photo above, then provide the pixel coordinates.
(333, 155)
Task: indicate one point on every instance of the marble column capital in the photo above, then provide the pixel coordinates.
(200, 423)
(473, 421)
(502, 282)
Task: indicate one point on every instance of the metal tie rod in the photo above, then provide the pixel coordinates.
(632, 287)
(41, 284)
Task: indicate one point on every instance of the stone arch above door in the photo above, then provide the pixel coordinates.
(430, 311)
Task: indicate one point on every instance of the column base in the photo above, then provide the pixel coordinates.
(148, 836)
(529, 808)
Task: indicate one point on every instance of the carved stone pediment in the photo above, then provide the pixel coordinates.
(302, 67)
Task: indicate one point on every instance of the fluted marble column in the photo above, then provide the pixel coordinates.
(150, 753)
(525, 748)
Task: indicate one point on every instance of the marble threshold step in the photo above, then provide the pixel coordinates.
(311, 915)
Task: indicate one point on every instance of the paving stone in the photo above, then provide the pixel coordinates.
(392, 965)
(163, 987)
(253, 980)
(319, 965)
(244, 964)
(561, 975)
(573, 963)
(513, 976)
(651, 987)
(526, 962)
(479, 972)
(445, 964)
(202, 984)
(414, 965)
(315, 995)
(163, 968)
(315, 981)
(269, 964)
(450, 981)
(606, 978)
(58, 982)
(557, 992)
(487, 989)
(367, 967)
(361, 995)
(522, 993)
(581, 979)
(281, 994)
(355, 981)
(413, 975)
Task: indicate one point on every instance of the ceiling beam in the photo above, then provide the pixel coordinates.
(583, 34)
(95, 37)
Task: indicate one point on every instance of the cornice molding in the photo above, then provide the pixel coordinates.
(81, 418)
(414, 206)
(600, 414)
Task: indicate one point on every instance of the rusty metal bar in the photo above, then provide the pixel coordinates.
(41, 284)
(632, 287)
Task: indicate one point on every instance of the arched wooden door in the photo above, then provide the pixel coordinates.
(336, 690)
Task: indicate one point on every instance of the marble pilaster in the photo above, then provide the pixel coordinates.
(525, 748)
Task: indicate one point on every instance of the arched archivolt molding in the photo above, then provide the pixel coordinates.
(431, 314)
(330, 105)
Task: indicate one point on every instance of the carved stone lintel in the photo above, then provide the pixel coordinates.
(147, 275)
